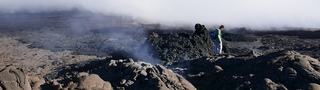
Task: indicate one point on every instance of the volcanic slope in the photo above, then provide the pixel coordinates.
(43, 52)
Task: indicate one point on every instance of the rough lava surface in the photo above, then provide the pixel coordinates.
(176, 47)
(74, 50)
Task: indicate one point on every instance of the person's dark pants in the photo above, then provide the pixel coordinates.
(218, 47)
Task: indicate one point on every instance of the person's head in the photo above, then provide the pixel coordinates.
(221, 27)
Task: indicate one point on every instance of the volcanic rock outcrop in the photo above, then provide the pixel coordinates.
(276, 71)
(123, 74)
(175, 47)
(12, 78)
(130, 75)
(90, 82)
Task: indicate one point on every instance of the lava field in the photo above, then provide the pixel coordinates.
(75, 50)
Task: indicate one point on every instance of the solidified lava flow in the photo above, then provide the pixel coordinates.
(83, 51)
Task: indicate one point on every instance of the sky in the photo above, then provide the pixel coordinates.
(257, 14)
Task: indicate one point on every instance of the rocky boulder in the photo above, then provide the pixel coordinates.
(90, 82)
(80, 81)
(12, 78)
(130, 75)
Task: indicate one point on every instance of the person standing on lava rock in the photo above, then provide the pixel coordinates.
(216, 36)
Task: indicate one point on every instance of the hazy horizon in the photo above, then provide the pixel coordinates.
(256, 14)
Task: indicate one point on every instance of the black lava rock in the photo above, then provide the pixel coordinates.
(175, 47)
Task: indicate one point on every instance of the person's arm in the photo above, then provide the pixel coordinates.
(219, 36)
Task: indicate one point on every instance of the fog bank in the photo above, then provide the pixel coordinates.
(256, 14)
